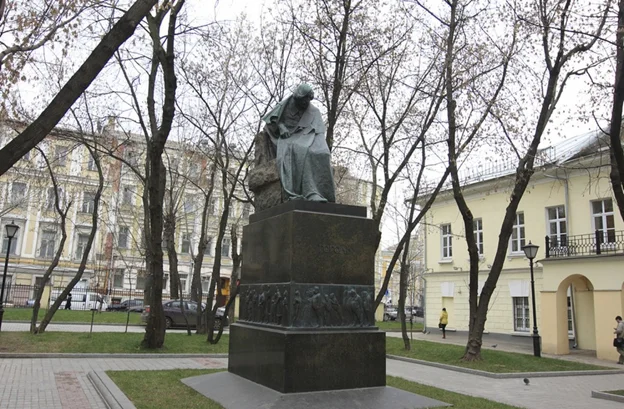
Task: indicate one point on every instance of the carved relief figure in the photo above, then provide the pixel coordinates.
(317, 305)
(336, 311)
(276, 307)
(367, 304)
(285, 301)
(296, 306)
(355, 307)
(262, 300)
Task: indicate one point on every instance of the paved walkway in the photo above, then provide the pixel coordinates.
(63, 384)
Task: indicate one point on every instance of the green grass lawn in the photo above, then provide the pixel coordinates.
(493, 361)
(396, 326)
(620, 392)
(25, 314)
(166, 391)
(105, 342)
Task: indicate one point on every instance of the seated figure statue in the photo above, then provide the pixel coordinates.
(296, 134)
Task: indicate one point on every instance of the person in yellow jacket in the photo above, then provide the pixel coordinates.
(443, 322)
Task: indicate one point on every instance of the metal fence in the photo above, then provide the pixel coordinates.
(23, 296)
(600, 242)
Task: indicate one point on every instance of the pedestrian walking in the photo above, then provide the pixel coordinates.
(443, 322)
(618, 342)
(68, 302)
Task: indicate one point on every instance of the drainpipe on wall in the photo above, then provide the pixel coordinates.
(573, 313)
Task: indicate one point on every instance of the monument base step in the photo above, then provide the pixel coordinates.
(234, 392)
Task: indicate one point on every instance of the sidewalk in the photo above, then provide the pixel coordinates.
(519, 344)
(62, 383)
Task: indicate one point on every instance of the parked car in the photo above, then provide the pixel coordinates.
(390, 314)
(128, 305)
(174, 317)
(82, 300)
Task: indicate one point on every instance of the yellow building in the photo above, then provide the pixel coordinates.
(570, 212)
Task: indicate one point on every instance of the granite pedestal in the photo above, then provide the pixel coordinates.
(306, 335)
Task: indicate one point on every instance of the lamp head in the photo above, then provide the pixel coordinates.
(11, 229)
(530, 250)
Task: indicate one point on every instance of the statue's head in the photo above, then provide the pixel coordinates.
(303, 95)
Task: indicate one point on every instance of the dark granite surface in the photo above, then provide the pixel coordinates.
(309, 248)
(234, 392)
(305, 361)
(308, 206)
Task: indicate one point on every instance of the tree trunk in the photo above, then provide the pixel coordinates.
(616, 151)
(402, 296)
(172, 254)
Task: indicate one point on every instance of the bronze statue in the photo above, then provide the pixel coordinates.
(296, 131)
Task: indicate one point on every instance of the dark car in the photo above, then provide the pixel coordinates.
(128, 305)
(174, 317)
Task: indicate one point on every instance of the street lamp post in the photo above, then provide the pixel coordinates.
(11, 231)
(530, 250)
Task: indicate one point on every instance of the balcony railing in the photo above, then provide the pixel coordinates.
(600, 242)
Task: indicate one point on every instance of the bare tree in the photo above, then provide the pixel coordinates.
(75, 86)
(560, 46)
(617, 153)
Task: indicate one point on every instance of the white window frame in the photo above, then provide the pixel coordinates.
(478, 234)
(22, 194)
(183, 282)
(121, 273)
(515, 245)
(80, 246)
(49, 252)
(126, 196)
(525, 316)
(226, 245)
(88, 206)
(604, 216)
(185, 243)
(90, 162)
(557, 238)
(123, 236)
(60, 155)
(446, 237)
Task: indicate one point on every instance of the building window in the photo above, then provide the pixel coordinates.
(246, 210)
(521, 314)
(225, 248)
(186, 243)
(18, 192)
(604, 223)
(188, 205)
(557, 226)
(91, 162)
(209, 247)
(122, 238)
(213, 207)
(478, 234)
(88, 202)
(60, 155)
(517, 234)
(183, 278)
(205, 285)
(165, 281)
(447, 241)
(51, 198)
(126, 197)
(140, 280)
(5, 242)
(118, 278)
(81, 245)
(47, 245)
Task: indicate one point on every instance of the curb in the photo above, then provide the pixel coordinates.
(113, 397)
(123, 324)
(507, 375)
(102, 355)
(607, 396)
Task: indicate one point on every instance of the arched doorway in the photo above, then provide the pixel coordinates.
(575, 313)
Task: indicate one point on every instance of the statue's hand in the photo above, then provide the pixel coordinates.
(284, 134)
